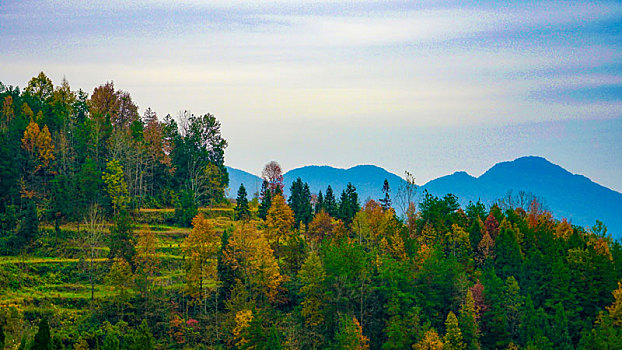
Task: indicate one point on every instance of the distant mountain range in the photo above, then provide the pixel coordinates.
(566, 195)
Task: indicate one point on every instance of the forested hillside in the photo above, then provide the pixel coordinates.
(116, 234)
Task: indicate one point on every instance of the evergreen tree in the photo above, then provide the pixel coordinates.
(28, 226)
(185, 208)
(558, 331)
(330, 203)
(266, 200)
(226, 274)
(349, 204)
(42, 340)
(242, 212)
(1, 336)
(300, 202)
(467, 320)
(319, 204)
(141, 338)
(453, 334)
(386, 201)
(121, 237)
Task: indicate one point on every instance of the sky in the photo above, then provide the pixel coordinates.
(430, 87)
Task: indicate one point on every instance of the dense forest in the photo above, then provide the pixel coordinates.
(115, 233)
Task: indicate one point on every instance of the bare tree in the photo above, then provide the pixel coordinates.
(90, 240)
(406, 192)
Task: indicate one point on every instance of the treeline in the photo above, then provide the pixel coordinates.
(58, 144)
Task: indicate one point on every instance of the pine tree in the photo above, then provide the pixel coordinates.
(330, 203)
(1, 336)
(42, 340)
(242, 212)
(319, 204)
(467, 319)
(266, 200)
(453, 334)
(386, 201)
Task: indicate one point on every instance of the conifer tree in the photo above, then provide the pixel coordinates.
(386, 200)
(42, 340)
(266, 200)
(242, 212)
(319, 204)
(467, 319)
(330, 203)
(453, 334)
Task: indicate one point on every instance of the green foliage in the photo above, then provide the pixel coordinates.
(266, 200)
(121, 237)
(300, 202)
(43, 340)
(242, 211)
(185, 209)
(116, 187)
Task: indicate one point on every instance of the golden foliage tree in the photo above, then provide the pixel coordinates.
(280, 221)
(249, 253)
(430, 341)
(200, 249)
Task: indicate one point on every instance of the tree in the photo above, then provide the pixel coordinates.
(312, 276)
(350, 335)
(406, 193)
(349, 204)
(242, 212)
(40, 87)
(320, 227)
(467, 319)
(300, 202)
(330, 203)
(146, 262)
(43, 340)
(121, 240)
(266, 200)
(91, 240)
(201, 247)
(453, 334)
(386, 201)
(250, 255)
(121, 279)
(273, 174)
(116, 187)
(430, 341)
(2, 336)
(280, 221)
(319, 203)
(198, 156)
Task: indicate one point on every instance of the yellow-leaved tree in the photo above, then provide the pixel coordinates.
(200, 249)
(280, 221)
(249, 253)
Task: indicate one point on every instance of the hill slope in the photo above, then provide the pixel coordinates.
(251, 182)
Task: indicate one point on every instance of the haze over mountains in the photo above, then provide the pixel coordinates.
(568, 195)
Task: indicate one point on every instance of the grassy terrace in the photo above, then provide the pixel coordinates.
(54, 274)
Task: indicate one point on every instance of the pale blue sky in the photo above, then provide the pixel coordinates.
(430, 87)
